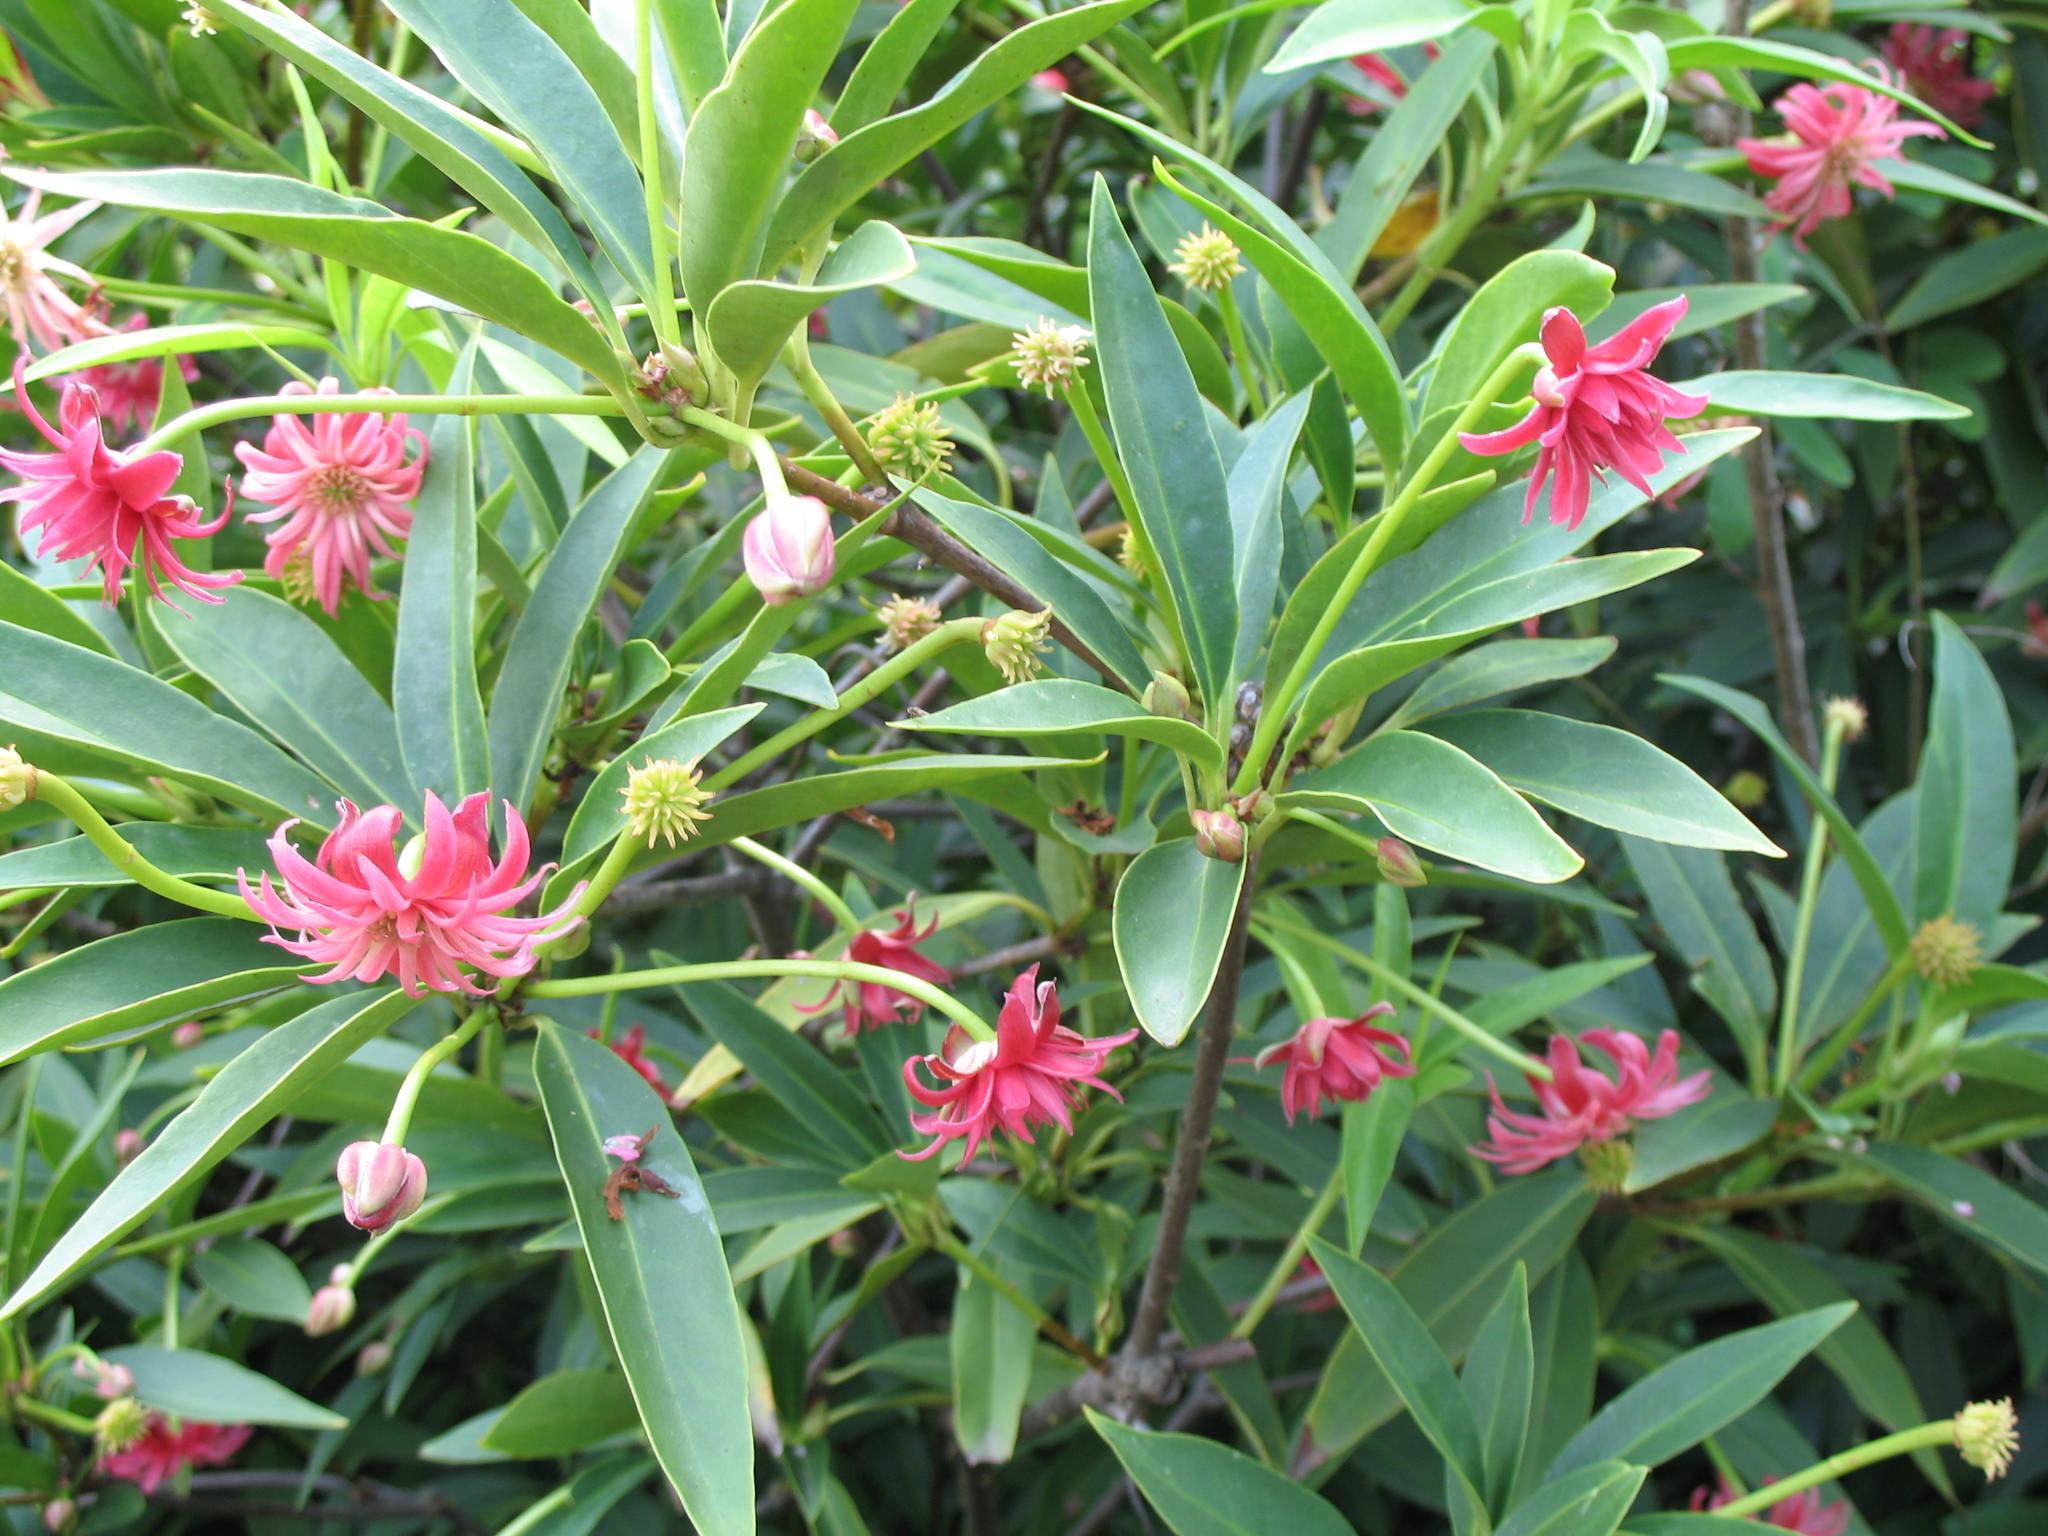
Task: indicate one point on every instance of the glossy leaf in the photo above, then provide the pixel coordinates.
(1257, 485)
(1964, 816)
(1589, 1501)
(1828, 396)
(751, 321)
(562, 1413)
(886, 64)
(1201, 1488)
(1506, 666)
(192, 853)
(254, 1278)
(1373, 1132)
(1498, 1383)
(1171, 920)
(1056, 707)
(1696, 904)
(1968, 1200)
(170, 340)
(1717, 1127)
(192, 1384)
(1346, 27)
(1791, 59)
(990, 1342)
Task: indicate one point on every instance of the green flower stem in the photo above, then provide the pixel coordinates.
(1290, 1257)
(798, 356)
(756, 443)
(1082, 404)
(198, 420)
(174, 1285)
(1240, 349)
(1520, 1060)
(55, 1417)
(796, 874)
(1817, 1066)
(858, 694)
(662, 302)
(1802, 927)
(124, 857)
(961, 1254)
(416, 1079)
(625, 848)
(1280, 701)
(1906, 1441)
(724, 970)
(374, 1246)
(1334, 827)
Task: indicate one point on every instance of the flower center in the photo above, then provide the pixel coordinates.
(337, 489)
(12, 264)
(975, 1057)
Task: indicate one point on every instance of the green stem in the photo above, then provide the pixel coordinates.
(1906, 1441)
(661, 304)
(1083, 406)
(1818, 1064)
(830, 970)
(625, 848)
(1240, 349)
(56, 1418)
(1290, 1257)
(756, 444)
(1280, 702)
(961, 1254)
(416, 1079)
(1520, 1060)
(950, 633)
(124, 857)
(1802, 927)
(798, 356)
(174, 1282)
(796, 874)
(214, 415)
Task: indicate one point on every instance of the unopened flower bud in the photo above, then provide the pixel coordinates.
(1207, 260)
(1130, 552)
(815, 137)
(119, 1425)
(58, 1514)
(1607, 1165)
(843, 1244)
(373, 1357)
(1399, 865)
(381, 1184)
(907, 620)
(1845, 715)
(1255, 807)
(788, 549)
(1988, 1436)
(1945, 950)
(1013, 641)
(1048, 354)
(188, 1034)
(333, 1308)
(1167, 697)
(17, 780)
(684, 371)
(909, 439)
(1219, 835)
(1746, 790)
(127, 1145)
(665, 801)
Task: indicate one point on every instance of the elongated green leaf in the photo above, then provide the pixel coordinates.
(844, 174)
(1373, 1132)
(1609, 777)
(1790, 59)
(281, 670)
(1402, 1345)
(1677, 1405)
(1695, 903)
(191, 853)
(170, 340)
(1703, 1133)
(1434, 795)
(195, 1385)
(1976, 272)
(1964, 813)
(254, 1278)
(1201, 1488)
(1649, 181)
(1163, 438)
(1257, 486)
(1172, 918)
(1969, 1200)
(990, 1344)
(1346, 27)
(563, 1413)
(885, 67)
(257, 1085)
(668, 1300)
(530, 691)
(600, 815)
(1498, 1382)
(28, 604)
(1506, 666)
(1917, 176)
(1589, 1501)
(463, 269)
(433, 680)
(751, 321)
(1057, 706)
(1829, 396)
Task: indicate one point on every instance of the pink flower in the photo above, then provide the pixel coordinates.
(1840, 132)
(1344, 1058)
(1051, 81)
(1935, 63)
(131, 391)
(38, 311)
(164, 1452)
(631, 1048)
(1595, 408)
(870, 1004)
(788, 549)
(1802, 1512)
(1580, 1104)
(342, 482)
(427, 913)
(1030, 1074)
(94, 503)
(1374, 67)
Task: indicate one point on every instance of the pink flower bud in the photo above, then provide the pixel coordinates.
(1399, 865)
(58, 1514)
(373, 1357)
(127, 1145)
(334, 1307)
(788, 548)
(1050, 80)
(815, 137)
(188, 1034)
(380, 1184)
(1219, 834)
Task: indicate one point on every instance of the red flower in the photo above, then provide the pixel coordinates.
(1936, 65)
(94, 503)
(1802, 1512)
(2036, 643)
(631, 1048)
(131, 391)
(165, 1452)
(1840, 132)
(870, 1004)
(1595, 408)
(1345, 1058)
(1030, 1074)
(1581, 1104)
(1374, 67)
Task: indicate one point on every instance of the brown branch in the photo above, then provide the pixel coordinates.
(1127, 1381)
(1017, 955)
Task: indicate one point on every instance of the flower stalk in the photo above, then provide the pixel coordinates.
(400, 1119)
(125, 857)
(1290, 1257)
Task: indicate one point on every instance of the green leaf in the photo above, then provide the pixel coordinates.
(1201, 1488)
(1433, 795)
(174, 340)
(1257, 486)
(1342, 28)
(254, 1279)
(1372, 1136)
(1402, 1345)
(1506, 666)
(1172, 919)
(1969, 1200)
(200, 1386)
(751, 321)
(1702, 1133)
(1714, 50)
(1828, 396)
(600, 814)
(668, 1299)
(28, 604)
(253, 1088)
(1162, 437)
(1695, 904)
(847, 172)
(129, 981)
(990, 1344)
(1608, 777)
(464, 269)
(1641, 57)
(1590, 1501)
(563, 1413)
(542, 652)
(1057, 707)
(1965, 277)
(109, 707)
(1649, 181)
(191, 853)
(885, 66)
(1709, 306)
(1918, 176)
(1498, 1383)
(279, 668)
(1964, 816)
(1677, 1405)
(433, 678)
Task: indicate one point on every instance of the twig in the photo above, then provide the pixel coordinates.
(1012, 957)
(1129, 1381)
(1298, 152)
(700, 890)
